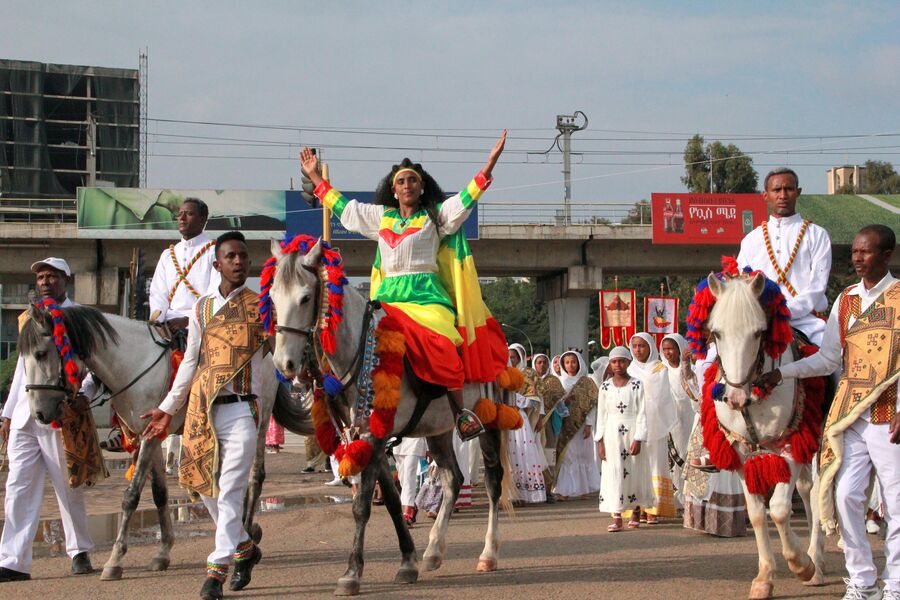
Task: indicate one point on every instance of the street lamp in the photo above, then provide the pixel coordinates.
(530, 347)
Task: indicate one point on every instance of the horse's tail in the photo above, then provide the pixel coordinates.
(507, 488)
(293, 412)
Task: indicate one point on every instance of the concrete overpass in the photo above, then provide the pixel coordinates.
(569, 262)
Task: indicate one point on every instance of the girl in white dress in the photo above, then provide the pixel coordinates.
(525, 452)
(672, 349)
(577, 462)
(620, 433)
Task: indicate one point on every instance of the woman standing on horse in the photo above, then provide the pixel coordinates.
(424, 275)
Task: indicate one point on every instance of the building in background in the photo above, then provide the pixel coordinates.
(847, 177)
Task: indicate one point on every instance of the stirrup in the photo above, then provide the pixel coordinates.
(468, 425)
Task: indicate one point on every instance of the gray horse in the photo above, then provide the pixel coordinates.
(136, 367)
(298, 297)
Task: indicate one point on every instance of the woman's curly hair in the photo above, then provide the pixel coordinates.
(432, 194)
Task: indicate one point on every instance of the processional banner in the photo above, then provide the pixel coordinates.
(617, 317)
(660, 316)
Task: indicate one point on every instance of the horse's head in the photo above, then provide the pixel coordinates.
(46, 382)
(295, 297)
(737, 323)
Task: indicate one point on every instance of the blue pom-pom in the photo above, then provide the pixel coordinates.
(332, 386)
(718, 391)
(748, 269)
(335, 289)
(281, 377)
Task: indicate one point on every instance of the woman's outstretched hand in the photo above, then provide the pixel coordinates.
(309, 162)
(496, 151)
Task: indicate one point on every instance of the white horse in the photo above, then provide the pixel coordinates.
(298, 298)
(738, 325)
(136, 367)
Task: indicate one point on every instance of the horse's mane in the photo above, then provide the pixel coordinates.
(87, 328)
(737, 307)
(771, 301)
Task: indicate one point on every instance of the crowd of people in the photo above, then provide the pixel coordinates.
(625, 430)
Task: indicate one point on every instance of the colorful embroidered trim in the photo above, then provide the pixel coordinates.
(779, 333)
(216, 571)
(63, 345)
(183, 273)
(782, 273)
(334, 287)
(244, 551)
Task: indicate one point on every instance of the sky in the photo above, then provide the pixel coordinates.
(438, 82)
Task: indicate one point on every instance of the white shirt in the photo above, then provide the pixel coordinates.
(177, 396)
(202, 276)
(809, 272)
(16, 408)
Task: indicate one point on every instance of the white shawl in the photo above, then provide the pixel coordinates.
(660, 406)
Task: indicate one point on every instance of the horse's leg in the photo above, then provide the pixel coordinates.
(348, 584)
(112, 570)
(409, 566)
(441, 449)
(780, 508)
(160, 490)
(254, 489)
(493, 484)
(807, 486)
(762, 586)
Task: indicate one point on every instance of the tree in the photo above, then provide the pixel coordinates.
(732, 171)
(515, 304)
(880, 178)
(639, 215)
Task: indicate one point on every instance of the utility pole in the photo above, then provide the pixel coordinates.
(566, 124)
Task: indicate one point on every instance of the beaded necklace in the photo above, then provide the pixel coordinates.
(782, 273)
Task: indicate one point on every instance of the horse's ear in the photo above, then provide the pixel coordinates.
(275, 248)
(715, 284)
(758, 283)
(311, 258)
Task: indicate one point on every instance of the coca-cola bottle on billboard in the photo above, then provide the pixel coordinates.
(667, 216)
(678, 218)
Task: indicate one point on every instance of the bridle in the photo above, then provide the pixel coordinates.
(753, 372)
(59, 386)
(309, 330)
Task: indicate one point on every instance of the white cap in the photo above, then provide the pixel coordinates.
(53, 262)
(620, 352)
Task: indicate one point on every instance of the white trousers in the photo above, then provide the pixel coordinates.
(236, 432)
(35, 451)
(408, 474)
(867, 446)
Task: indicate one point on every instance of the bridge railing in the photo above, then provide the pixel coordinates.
(37, 210)
(505, 212)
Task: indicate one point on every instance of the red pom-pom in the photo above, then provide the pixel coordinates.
(360, 452)
(390, 362)
(56, 424)
(339, 452)
(730, 265)
(381, 423)
(327, 437)
(328, 343)
(764, 471)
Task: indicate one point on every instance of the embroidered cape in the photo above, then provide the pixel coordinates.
(869, 380)
(582, 399)
(231, 337)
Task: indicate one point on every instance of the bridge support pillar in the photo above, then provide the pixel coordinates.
(98, 288)
(568, 295)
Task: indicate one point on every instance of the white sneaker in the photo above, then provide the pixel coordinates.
(872, 526)
(861, 593)
(335, 481)
(887, 594)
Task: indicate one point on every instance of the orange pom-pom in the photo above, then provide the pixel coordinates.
(503, 379)
(516, 379)
(390, 341)
(319, 413)
(508, 417)
(347, 468)
(129, 474)
(486, 411)
(387, 391)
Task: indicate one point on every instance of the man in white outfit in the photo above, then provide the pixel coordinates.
(862, 431)
(36, 450)
(793, 252)
(183, 273)
(220, 379)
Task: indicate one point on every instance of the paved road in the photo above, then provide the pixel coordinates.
(548, 551)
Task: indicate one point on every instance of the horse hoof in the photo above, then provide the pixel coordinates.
(761, 590)
(347, 586)
(486, 565)
(256, 533)
(111, 574)
(807, 572)
(159, 564)
(407, 575)
(816, 580)
(432, 563)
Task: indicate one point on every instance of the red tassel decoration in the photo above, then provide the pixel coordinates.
(721, 453)
(763, 471)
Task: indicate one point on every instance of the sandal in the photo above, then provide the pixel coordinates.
(615, 526)
(703, 464)
(652, 520)
(632, 524)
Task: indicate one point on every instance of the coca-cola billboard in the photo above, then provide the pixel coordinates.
(724, 219)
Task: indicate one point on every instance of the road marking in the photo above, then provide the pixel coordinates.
(880, 203)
